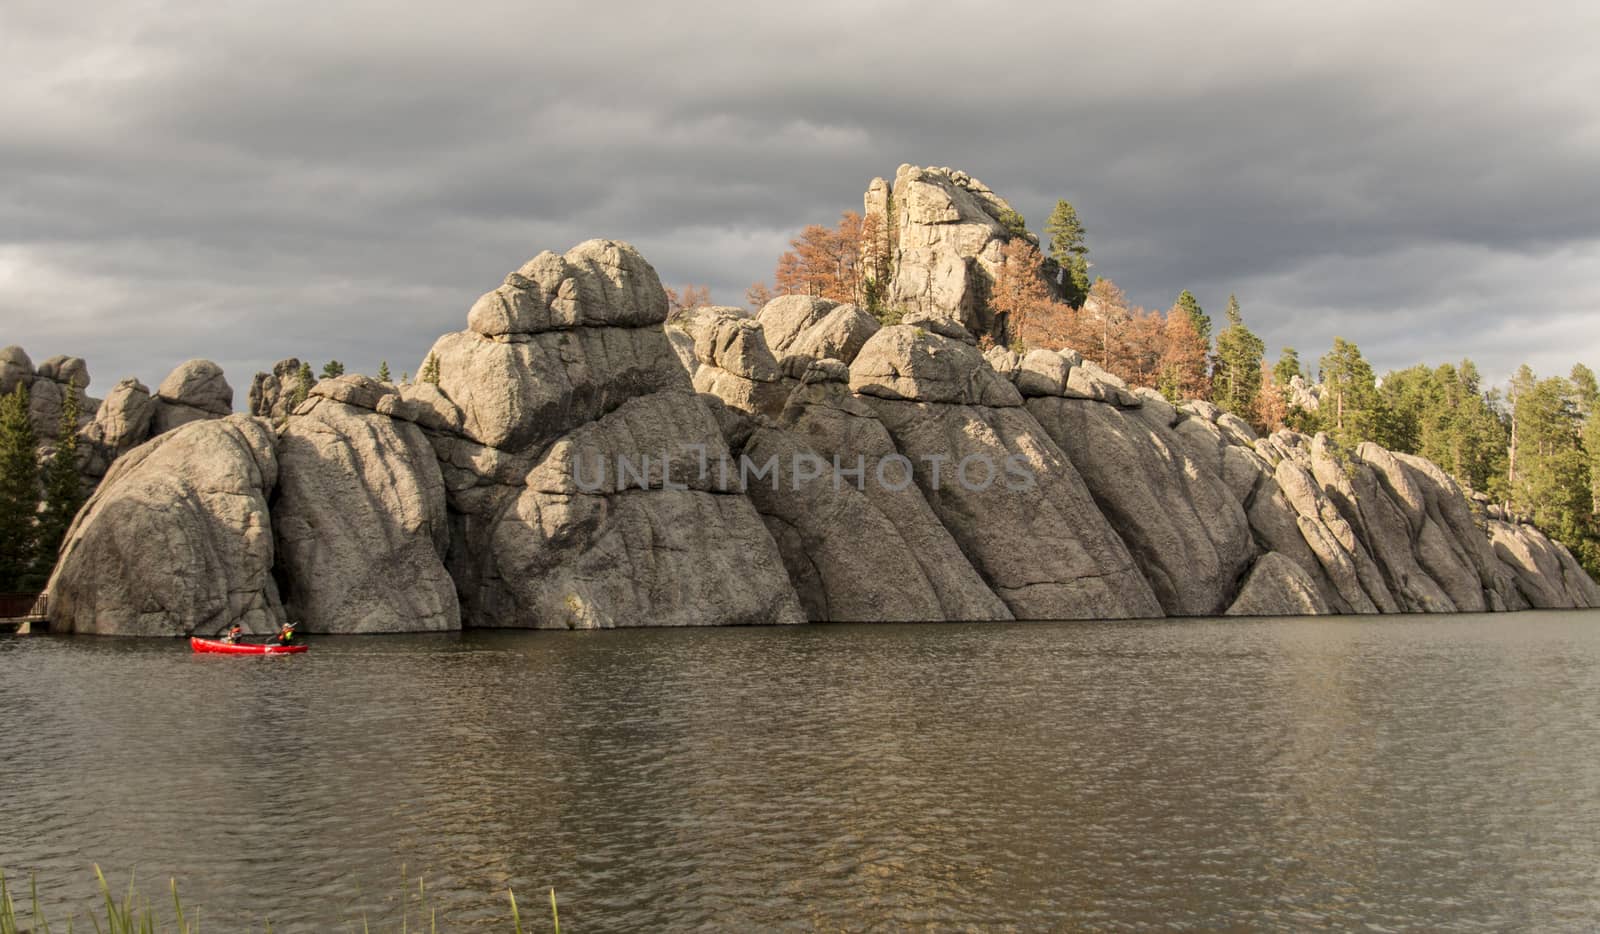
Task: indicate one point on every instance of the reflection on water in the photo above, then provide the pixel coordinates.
(1290, 774)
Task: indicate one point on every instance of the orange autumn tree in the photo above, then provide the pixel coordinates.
(1096, 329)
(693, 296)
(1140, 345)
(842, 263)
(1029, 316)
(758, 295)
(1272, 403)
(1183, 367)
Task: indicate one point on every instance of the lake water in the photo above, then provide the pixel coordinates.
(1439, 772)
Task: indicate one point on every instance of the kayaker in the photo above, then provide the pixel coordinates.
(233, 634)
(286, 634)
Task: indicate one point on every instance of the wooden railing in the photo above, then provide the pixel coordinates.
(23, 605)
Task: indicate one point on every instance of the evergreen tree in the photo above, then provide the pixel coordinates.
(1407, 395)
(1522, 383)
(1236, 379)
(430, 370)
(1015, 224)
(1070, 252)
(383, 371)
(19, 494)
(1350, 395)
(1191, 307)
(332, 369)
(1288, 367)
(63, 486)
(1552, 468)
(1589, 404)
(302, 386)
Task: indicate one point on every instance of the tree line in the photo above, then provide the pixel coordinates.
(37, 501)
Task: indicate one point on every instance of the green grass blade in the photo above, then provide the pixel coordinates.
(40, 923)
(555, 915)
(8, 914)
(111, 906)
(516, 918)
(177, 910)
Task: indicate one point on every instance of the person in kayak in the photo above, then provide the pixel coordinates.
(234, 634)
(286, 634)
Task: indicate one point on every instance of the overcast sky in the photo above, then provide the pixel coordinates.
(249, 181)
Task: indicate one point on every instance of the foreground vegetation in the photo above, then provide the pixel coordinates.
(136, 914)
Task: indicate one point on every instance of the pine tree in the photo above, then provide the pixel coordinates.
(1236, 379)
(332, 369)
(430, 370)
(19, 494)
(383, 371)
(1588, 389)
(1070, 252)
(1191, 306)
(63, 485)
(1522, 383)
(1553, 482)
(302, 386)
(1288, 367)
(1350, 395)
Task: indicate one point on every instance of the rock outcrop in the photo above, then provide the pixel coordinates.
(177, 539)
(566, 368)
(194, 391)
(574, 459)
(944, 232)
(360, 515)
(272, 394)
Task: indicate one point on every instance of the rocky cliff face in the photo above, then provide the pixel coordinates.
(584, 462)
(943, 233)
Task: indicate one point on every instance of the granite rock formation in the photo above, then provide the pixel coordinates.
(578, 460)
(177, 539)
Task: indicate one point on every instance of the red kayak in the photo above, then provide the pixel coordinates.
(241, 648)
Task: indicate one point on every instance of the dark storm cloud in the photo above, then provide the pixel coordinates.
(247, 182)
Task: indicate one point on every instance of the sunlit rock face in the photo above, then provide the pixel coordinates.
(574, 458)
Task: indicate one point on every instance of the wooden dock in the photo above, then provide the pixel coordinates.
(23, 613)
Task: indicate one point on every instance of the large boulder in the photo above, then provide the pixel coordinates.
(733, 361)
(1276, 586)
(598, 283)
(194, 391)
(15, 369)
(176, 540)
(516, 395)
(360, 516)
(122, 423)
(622, 523)
(908, 363)
(66, 371)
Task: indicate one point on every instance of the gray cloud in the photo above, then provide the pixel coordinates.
(251, 181)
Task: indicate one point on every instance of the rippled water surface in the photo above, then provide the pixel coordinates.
(1425, 772)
